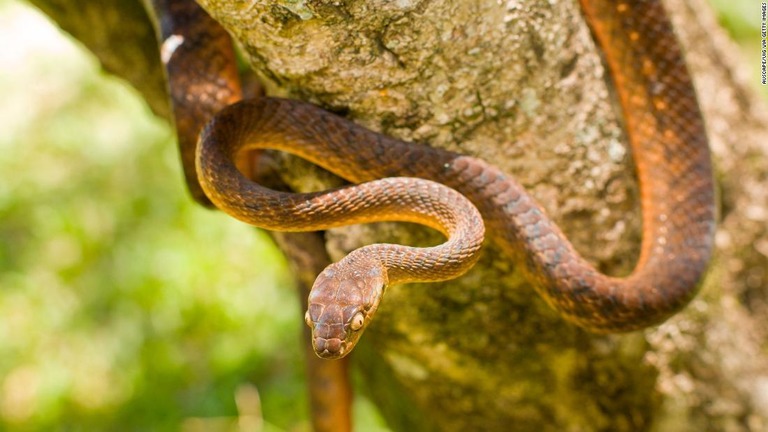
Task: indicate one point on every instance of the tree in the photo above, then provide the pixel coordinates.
(520, 84)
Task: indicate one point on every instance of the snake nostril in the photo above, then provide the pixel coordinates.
(332, 347)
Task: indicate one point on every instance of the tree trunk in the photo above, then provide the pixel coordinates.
(520, 83)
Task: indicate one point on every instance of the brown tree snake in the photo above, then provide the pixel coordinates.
(666, 135)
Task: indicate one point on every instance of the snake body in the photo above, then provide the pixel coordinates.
(347, 293)
(668, 142)
(202, 75)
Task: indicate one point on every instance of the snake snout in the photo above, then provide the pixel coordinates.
(328, 333)
(329, 348)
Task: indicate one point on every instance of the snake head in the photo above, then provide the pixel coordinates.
(341, 304)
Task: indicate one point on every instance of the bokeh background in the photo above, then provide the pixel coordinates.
(123, 305)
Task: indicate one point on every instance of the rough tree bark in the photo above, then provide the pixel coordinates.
(520, 83)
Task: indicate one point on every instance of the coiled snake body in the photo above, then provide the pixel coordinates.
(669, 146)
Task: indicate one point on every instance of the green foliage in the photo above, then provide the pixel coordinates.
(740, 17)
(123, 305)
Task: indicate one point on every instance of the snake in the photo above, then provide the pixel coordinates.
(199, 86)
(201, 72)
(461, 196)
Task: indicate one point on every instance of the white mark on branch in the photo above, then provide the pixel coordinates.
(169, 47)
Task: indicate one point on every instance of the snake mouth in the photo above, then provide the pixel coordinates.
(332, 348)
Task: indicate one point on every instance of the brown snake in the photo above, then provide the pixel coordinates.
(669, 146)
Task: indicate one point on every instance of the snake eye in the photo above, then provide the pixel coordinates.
(308, 319)
(357, 321)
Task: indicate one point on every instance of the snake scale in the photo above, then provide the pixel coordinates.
(668, 141)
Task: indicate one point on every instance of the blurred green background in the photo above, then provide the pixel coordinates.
(124, 306)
